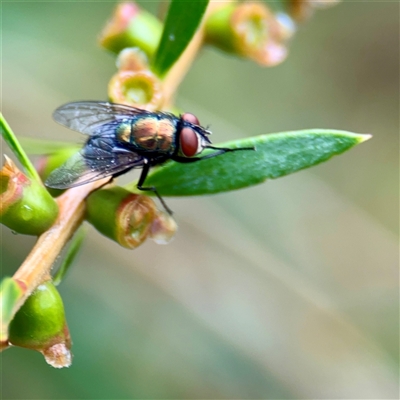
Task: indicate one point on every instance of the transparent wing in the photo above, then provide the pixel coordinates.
(89, 116)
(85, 167)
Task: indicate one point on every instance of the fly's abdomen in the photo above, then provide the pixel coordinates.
(150, 134)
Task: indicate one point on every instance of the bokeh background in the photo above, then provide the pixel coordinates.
(286, 290)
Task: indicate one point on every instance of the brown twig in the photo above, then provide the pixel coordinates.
(37, 266)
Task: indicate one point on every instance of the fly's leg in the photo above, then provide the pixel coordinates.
(220, 150)
(143, 176)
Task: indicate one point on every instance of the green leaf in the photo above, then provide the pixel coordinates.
(16, 147)
(276, 155)
(73, 249)
(181, 23)
(10, 293)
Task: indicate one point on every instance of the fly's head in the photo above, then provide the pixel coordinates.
(192, 137)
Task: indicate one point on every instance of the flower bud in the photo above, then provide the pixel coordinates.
(47, 163)
(40, 325)
(122, 216)
(131, 26)
(300, 10)
(248, 29)
(25, 205)
(132, 59)
(136, 88)
(163, 228)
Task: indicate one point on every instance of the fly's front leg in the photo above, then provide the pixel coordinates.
(218, 152)
(143, 176)
(222, 150)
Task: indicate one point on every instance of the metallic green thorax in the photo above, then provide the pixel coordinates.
(149, 133)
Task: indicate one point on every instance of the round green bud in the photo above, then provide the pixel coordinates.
(40, 322)
(131, 26)
(26, 205)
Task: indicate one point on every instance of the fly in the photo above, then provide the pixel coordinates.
(123, 137)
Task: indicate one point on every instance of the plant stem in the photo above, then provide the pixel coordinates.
(181, 67)
(36, 267)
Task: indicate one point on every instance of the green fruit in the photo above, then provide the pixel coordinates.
(40, 322)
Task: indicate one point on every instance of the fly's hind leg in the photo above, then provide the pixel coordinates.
(143, 176)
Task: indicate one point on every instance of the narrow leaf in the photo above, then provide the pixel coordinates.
(73, 249)
(276, 155)
(10, 293)
(181, 23)
(16, 147)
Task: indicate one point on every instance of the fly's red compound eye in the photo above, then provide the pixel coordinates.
(189, 142)
(190, 118)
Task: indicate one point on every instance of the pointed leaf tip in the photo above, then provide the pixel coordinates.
(363, 137)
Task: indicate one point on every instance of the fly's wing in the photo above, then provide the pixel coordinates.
(85, 167)
(90, 116)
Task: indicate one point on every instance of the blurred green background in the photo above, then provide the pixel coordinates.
(286, 290)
